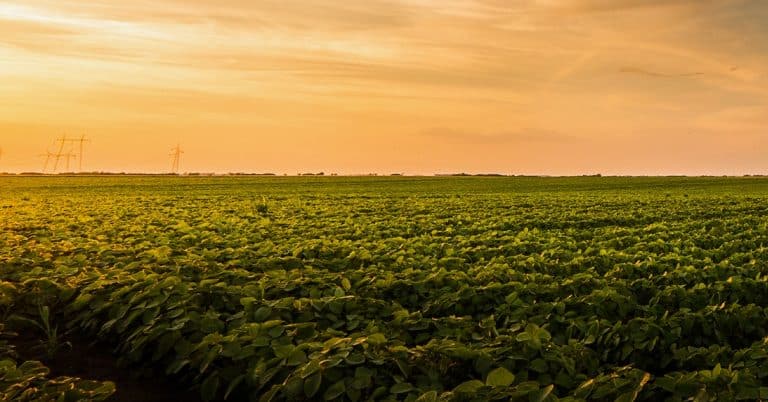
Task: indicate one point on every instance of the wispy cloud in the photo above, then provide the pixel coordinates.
(636, 70)
(614, 5)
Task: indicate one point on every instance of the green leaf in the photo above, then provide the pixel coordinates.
(276, 332)
(232, 349)
(262, 313)
(81, 301)
(500, 377)
(247, 301)
(335, 391)
(666, 383)
(355, 359)
(346, 284)
(209, 387)
(377, 339)
(260, 341)
(626, 397)
(539, 366)
(401, 388)
(430, 396)
(362, 378)
(310, 368)
(233, 384)
(107, 388)
(312, 384)
(293, 386)
(543, 394)
(283, 351)
(269, 395)
(354, 394)
(468, 387)
(176, 366)
(296, 358)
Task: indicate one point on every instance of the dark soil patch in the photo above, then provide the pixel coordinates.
(93, 361)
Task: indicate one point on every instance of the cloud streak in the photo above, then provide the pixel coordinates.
(640, 71)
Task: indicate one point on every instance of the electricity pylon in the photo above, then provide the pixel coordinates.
(57, 156)
(62, 141)
(81, 142)
(68, 157)
(176, 158)
(48, 155)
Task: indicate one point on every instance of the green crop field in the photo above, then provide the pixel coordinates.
(388, 288)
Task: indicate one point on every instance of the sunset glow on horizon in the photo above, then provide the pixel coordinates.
(558, 87)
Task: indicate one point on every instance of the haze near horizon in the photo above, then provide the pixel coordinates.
(556, 87)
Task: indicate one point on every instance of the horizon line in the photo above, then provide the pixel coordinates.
(379, 175)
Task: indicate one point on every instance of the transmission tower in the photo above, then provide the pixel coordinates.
(81, 143)
(68, 157)
(48, 155)
(58, 155)
(61, 144)
(176, 158)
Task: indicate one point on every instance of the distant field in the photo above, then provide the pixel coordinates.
(394, 288)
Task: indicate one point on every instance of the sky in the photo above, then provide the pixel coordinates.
(555, 87)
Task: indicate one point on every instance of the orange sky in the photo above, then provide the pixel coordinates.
(413, 86)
